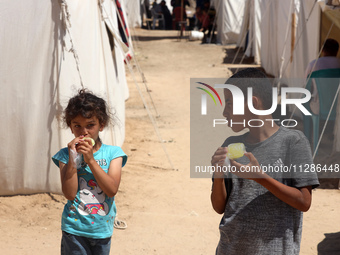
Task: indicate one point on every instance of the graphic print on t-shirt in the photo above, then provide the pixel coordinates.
(92, 198)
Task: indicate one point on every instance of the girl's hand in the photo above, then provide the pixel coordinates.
(85, 147)
(73, 144)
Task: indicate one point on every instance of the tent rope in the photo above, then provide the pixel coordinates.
(67, 24)
(141, 72)
(286, 39)
(153, 121)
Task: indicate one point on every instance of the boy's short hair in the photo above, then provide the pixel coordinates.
(256, 79)
(331, 47)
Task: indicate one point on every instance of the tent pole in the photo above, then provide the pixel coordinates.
(297, 41)
(285, 44)
(293, 35)
(182, 10)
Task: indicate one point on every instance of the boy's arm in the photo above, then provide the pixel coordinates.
(218, 194)
(299, 198)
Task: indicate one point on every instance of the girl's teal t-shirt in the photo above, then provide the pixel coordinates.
(92, 213)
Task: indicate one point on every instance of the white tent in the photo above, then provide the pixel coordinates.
(133, 9)
(47, 49)
(283, 36)
(229, 18)
(278, 35)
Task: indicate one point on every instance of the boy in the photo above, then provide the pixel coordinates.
(262, 210)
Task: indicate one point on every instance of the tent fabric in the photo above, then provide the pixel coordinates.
(333, 12)
(264, 24)
(279, 57)
(39, 74)
(229, 16)
(109, 13)
(251, 41)
(133, 11)
(122, 25)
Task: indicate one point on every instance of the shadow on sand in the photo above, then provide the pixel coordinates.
(330, 245)
(235, 58)
(155, 38)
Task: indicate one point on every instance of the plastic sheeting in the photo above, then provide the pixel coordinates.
(38, 76)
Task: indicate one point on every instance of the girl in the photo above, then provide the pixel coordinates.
(90, 177)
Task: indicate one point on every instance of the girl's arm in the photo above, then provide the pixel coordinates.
(69, 180)
(108, 182)
(299, 198)
(68, 172)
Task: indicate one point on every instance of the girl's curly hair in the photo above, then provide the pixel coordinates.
(86, 104)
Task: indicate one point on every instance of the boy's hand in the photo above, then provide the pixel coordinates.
(218, 159)
(251, 171)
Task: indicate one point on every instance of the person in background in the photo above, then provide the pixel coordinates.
(328, 59)
(167, 15)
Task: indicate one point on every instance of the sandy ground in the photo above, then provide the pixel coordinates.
(167, 212)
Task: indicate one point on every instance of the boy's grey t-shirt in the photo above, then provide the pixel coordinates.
(255, 221)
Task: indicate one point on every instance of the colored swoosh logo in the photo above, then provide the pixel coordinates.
(212, 89)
